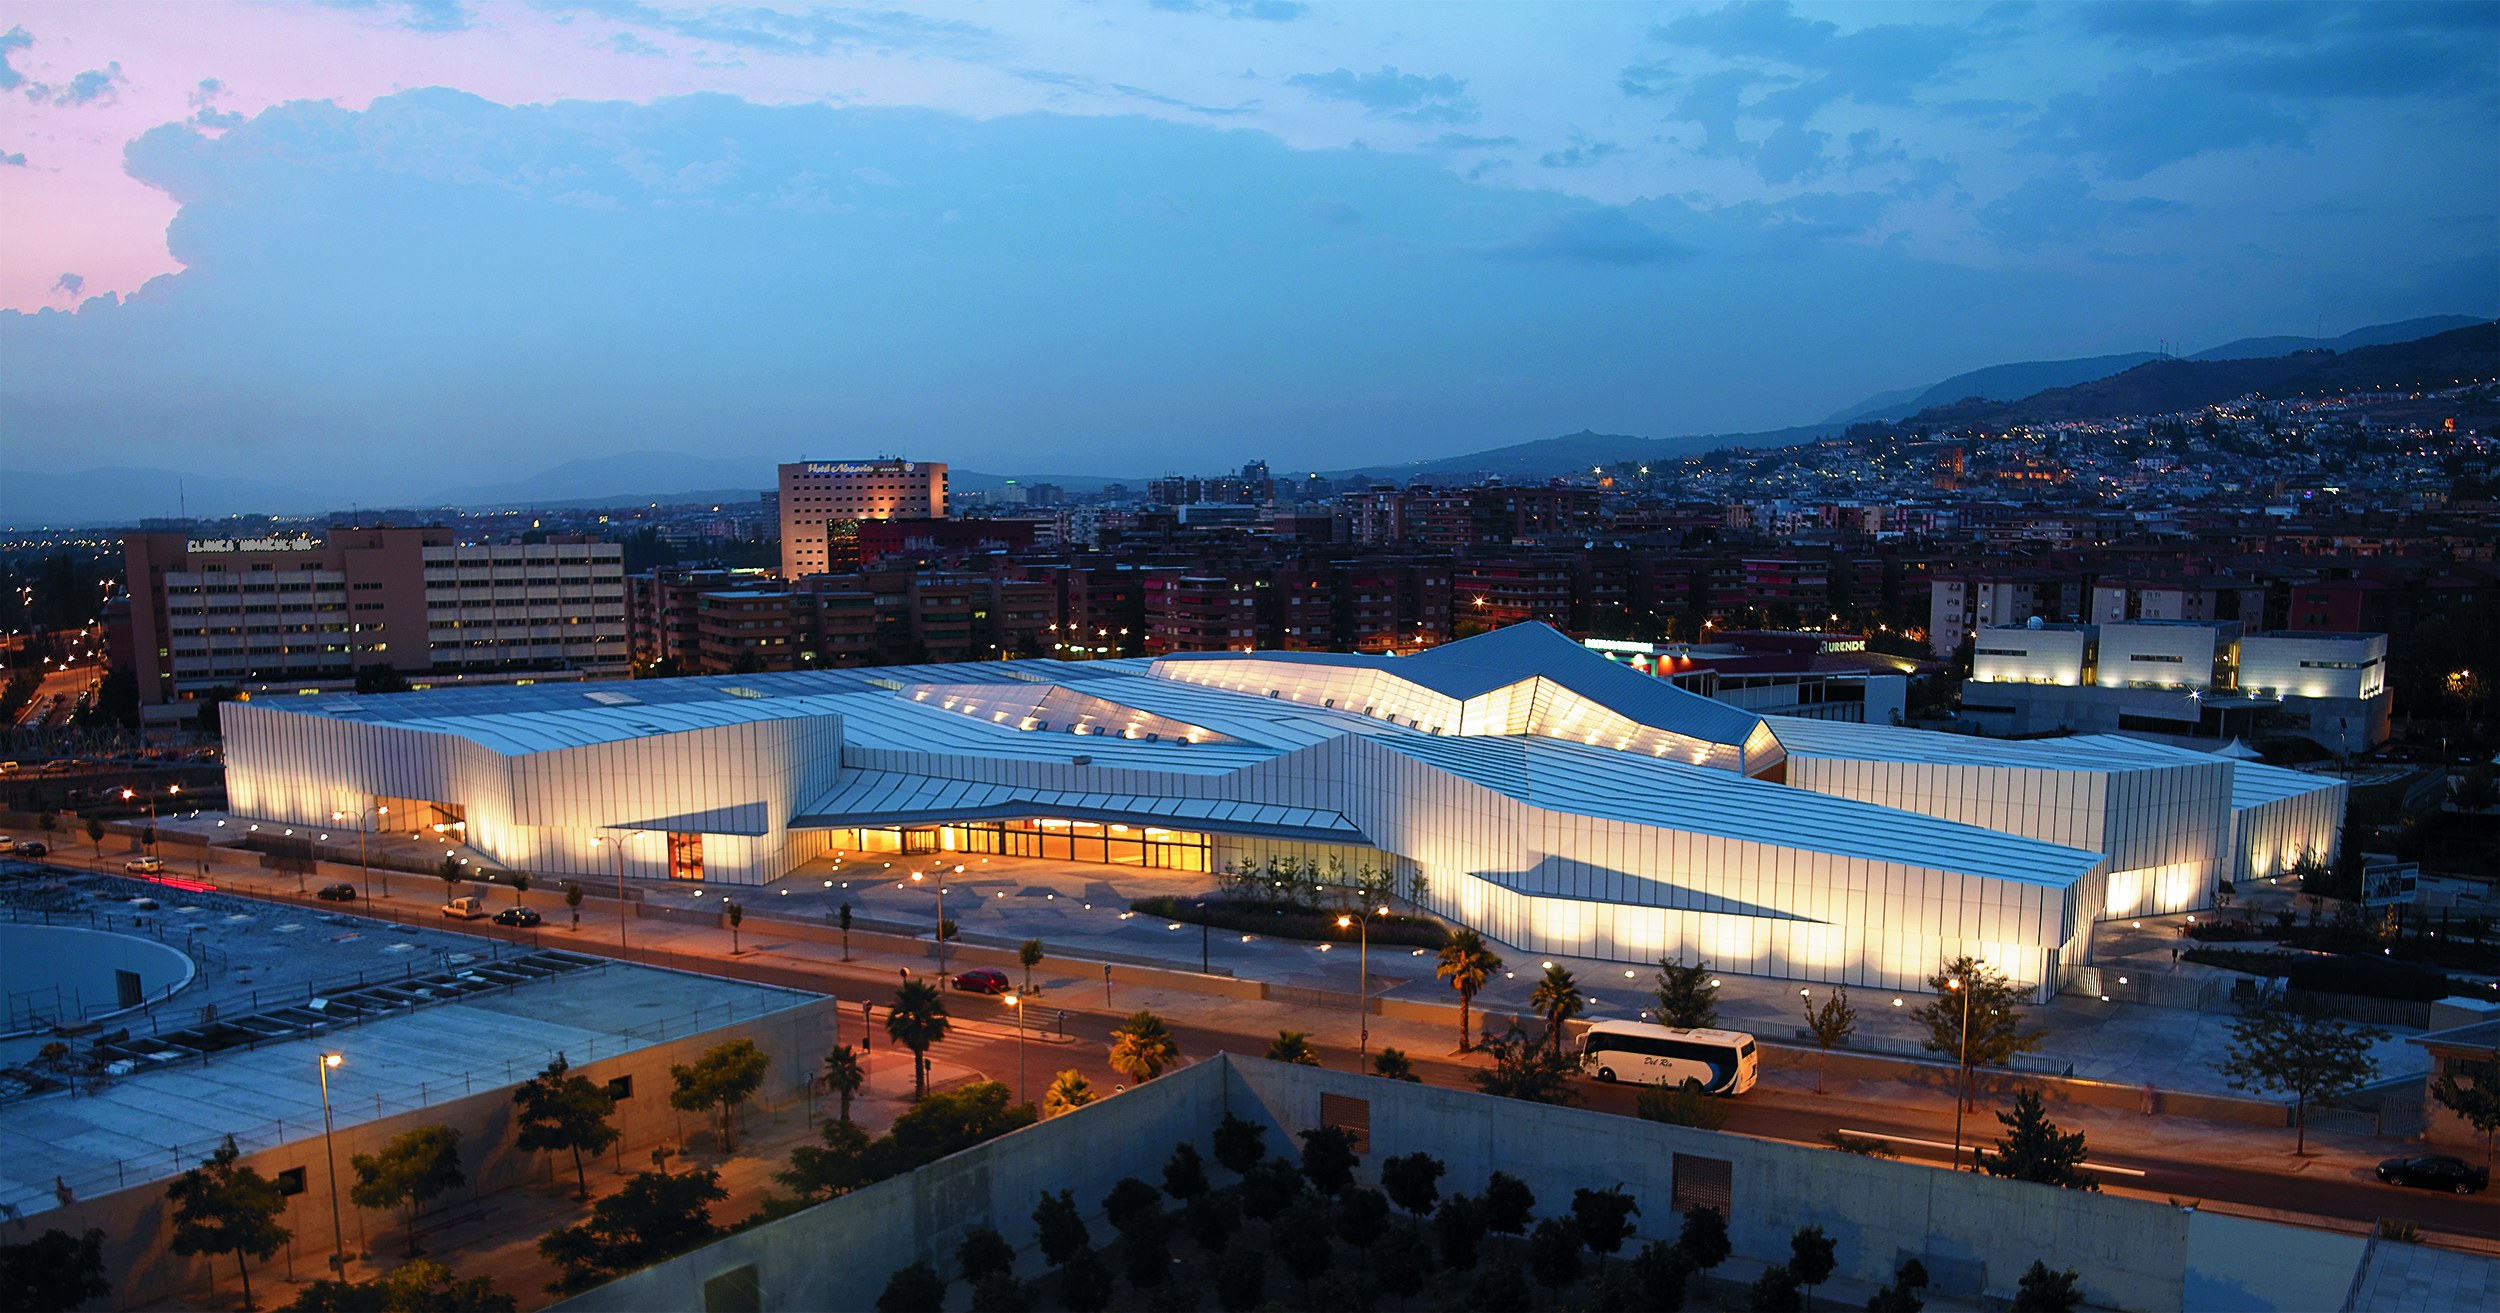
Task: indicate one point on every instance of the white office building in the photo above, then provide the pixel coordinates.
(2182, 679)
(1514, 782)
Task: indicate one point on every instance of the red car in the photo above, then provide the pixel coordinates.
(982, 980)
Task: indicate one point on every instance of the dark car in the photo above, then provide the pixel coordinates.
(516, 916)
(32, 848)
(2435, 1171)
(982, 980)
(337, 893)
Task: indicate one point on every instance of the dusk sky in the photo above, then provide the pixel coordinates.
(381, 249)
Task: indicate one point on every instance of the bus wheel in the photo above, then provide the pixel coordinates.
(1606, 1074)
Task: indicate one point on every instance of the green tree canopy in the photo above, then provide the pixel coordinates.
(2033, 1148)
(557, 1111)
(222, 1207)
(656, 1215)
(412, 1169)
(55, 1270)
(1965, 986)
(1685, 994)
(2309, 1058)
(717, 1081)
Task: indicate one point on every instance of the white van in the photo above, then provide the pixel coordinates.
(471, 908)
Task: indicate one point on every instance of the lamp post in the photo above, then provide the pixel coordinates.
(329, 1152)
(916, 878)
(128, 795)
(1363, 982)
(366, 819)
(1016, 1001)
(617, 851)
(1961, 1093)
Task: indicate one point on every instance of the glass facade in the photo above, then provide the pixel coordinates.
(1049, 839)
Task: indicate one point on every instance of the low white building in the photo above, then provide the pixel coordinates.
(2188, 679)
(1515, 782)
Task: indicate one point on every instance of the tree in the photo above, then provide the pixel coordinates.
(573, 902)
(843, 919)
(1777, 1290)
(1683, 1105)
(95, 836)
(1241, 1279)
(1393, 1064)
(1292, 1046)
(1362, 1218)
(1686, 996)
(1185, 1173)
(452, 875)
(1029, 954)
(845, 1076)
(1501, 1288)
(1142, 1046)
(983, 1254)
(2044, 1291)
(1467, 964)
(1085, 1283)
(222, 1207)
(2470, 1088)
(737, 915)
(1212, 1218)
(1146, 1244)
(1269, 1188)
(380, 677)
(1659, 1273)
(1525, 1069)
(55, 1270)
(1129, 1197)
(1328, 1159)
(1508, 1204)
(412, 1169)
(1995, 1011)
(1401, 1263)
(1901, 1296)
(948, 1123)
(520, 886)
(419, 1286)
(1603, 1219)
(914, 1288)
(1557, 998)
(838, 1166)
(1413, 1181)
(1832, 1024)
(1058, 1228)
(557, 1111)
(1458, 1230)
(2308, 1058)
(656, 1215)
(718, 1080)
(1554, 1254)
(2034, 1149)
(1069, 1090)
(1300, 1241)
(1810, 1258)
(917, 1020)
(1703, 1241)
(1239, 1145)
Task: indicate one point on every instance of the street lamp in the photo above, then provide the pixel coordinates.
(367, 819)
(616, 850)
(1961, 1095)
(1363, 986)
(329, 1152)
(1016, 1001)
(916, 878)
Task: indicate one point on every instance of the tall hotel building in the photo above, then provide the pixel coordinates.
(823, 501)
(290, 615)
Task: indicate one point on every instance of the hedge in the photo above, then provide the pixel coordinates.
(1260, 916)
(2367, 977)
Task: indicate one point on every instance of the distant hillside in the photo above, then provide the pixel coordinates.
(1995, 383)
(2160, 386)
(2409, 330)
(124, 495)
(1576, 452)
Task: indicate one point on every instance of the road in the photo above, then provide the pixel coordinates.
(1918, 1128)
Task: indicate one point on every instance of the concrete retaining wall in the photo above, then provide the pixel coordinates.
(138, 1224)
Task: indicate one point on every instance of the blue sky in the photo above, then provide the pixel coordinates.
(391, 248)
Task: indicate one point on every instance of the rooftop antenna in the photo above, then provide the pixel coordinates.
(182, 501)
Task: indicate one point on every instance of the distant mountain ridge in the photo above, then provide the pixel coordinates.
(2016, 381)
(2161, 386)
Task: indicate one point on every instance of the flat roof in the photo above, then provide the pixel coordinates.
(162, 1119)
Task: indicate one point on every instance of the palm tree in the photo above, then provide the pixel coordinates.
(1466, 963)
(1142, 1047)
(1293, 1046)
(1558, 999)
(918, 1020)
(845, 1075)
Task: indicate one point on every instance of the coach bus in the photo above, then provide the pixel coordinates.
(1720, 1061)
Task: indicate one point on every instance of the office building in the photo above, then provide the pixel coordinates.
(2181, 678)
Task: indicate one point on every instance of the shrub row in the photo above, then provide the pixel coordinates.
(2366, 977)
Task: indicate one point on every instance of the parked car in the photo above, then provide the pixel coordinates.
(33, 848)
(2435, 1171)
(145, 866)
(336, 893)
(982, 980)
(471, 908)
(516, 916)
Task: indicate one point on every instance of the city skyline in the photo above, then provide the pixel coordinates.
(508, 236)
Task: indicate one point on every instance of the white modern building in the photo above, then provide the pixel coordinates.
(1515, 782)
(2185, 678)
